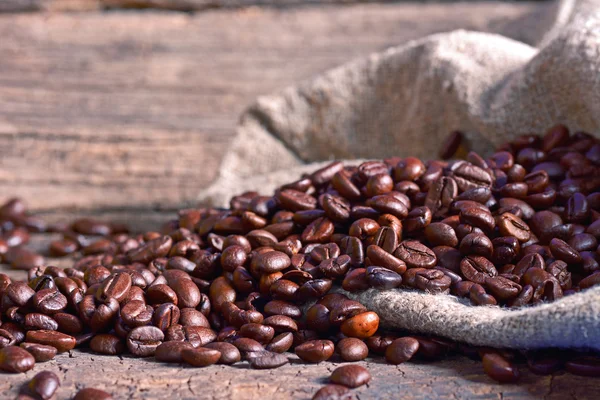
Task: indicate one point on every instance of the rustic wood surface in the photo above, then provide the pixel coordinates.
(455, 377)
(129, 110)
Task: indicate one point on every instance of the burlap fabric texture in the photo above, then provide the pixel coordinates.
(404, 101)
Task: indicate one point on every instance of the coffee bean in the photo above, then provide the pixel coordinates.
(170, 352)
(107, 344)
(352, 349)
(315, 351)
(268, 360)
(584, 366)
(401, 350)
(229, 353)
(281, 343)
(499, 369)
(351, 376)
(476, 244)
(60, 341)
(477, 269)
(143, 340)
(6, 339)
(382, 278)
(415, 254)
(561, 250)
(44, 384)
(361, 326)
(332, 392)
(92, 394)
(511, 225)
(15, 359)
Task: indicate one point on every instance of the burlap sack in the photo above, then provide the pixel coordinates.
(403, 102)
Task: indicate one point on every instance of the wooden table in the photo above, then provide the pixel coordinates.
(455, 377)
(126, 115)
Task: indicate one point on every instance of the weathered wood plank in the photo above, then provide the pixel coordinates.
(456, 377)
(104, 110)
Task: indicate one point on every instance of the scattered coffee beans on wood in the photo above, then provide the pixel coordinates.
(254, 281)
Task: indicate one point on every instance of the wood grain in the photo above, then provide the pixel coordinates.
(135, 109)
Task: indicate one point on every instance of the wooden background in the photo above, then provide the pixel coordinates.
(126, 115)
(130, 112)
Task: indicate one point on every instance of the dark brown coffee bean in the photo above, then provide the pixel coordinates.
(44, 384)
(39, 321)
(315, 351)
(511, 225)
(388, 204)
(229, 353)
(6, 339)
(143, 340)
(295, 200)
(281, 343)
(60, 341)
(281, 323)
(268, 360)
(415, 254)
(107, 344)
(561, 250)
(584, 366)
(92, 394)
(477, 269)
(499, 369)
(479, 297)
(477, 244)
(382, 278)
(544, 364)
(15, 360)
(441, 234)
(332, 392)
(352, 349)
(171, 352)
(166, 315)
(380, 257)
(351, 376)
(401, 350)
(417, 219)
(335, 267)
(502, 288)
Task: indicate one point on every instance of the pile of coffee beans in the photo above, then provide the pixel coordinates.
(255, 281)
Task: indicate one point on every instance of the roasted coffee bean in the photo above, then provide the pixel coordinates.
(15, 360)
(143, 340)
(584, 366)
(479, 297)
(401, 350)
(6, 339)
(171, 352)
(502, 288)
(107, 344)
(44, 384)
(356, 280)
(229, 353)
(380, 257)
(92, 394)
(332, 392)
(352, 349)
(315, 351)
(39, 321)
(382, 278)
(335, 267)
(415, 254)
(281, 323)
(477, 269)
(351, 376)
(268, 360)
(388, 204)
(281, 343)
(60, 341)
(440, 195)
(441, 234)
(561, 250)
(361, 326)
(476, 244)
(499, 369)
